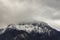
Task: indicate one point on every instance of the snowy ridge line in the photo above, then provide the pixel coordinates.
(40, 27)
(33, 30)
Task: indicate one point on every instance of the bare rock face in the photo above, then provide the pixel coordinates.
(30, 31)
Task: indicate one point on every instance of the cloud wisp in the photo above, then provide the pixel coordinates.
(15, 11)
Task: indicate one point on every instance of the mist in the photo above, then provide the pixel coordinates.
(16, 11)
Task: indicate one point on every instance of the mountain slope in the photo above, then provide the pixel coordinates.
(30, 31)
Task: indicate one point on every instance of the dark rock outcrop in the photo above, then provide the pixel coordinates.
(42, 32)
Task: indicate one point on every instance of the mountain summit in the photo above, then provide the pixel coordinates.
(30, 31)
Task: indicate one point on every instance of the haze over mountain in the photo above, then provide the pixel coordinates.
(15, 11)
(20, 11)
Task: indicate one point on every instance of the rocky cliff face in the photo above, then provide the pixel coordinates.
(29, 31)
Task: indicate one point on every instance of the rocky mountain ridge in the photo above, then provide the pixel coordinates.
(30, 31)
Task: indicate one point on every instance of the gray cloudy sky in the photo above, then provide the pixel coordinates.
(15, 11)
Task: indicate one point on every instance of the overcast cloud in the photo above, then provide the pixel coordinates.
(15, 11)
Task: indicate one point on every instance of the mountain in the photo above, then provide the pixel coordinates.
(29, 31)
